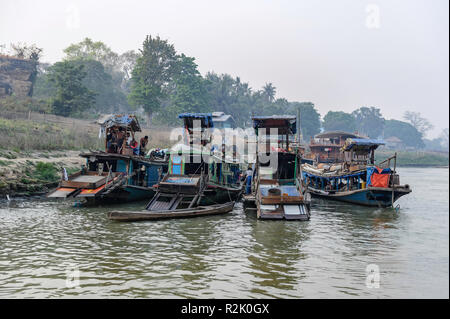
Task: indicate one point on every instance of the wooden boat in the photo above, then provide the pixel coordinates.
(196, 175)
(276, 190)
(167, 214)
(357, 180)
(111, 176)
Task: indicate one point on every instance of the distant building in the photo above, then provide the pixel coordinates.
(222, 120)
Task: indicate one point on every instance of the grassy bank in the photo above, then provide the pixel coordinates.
(33, 150)
(418, 158)
(24, 135)
(34, 172)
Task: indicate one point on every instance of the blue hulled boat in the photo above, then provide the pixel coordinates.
(122, 173)
(357, 179)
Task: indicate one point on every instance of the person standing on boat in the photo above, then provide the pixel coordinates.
(120, 137)
(248, 180)
(143, 144)
(129, 138)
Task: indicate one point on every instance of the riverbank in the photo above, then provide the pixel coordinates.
(34, 147)
(415, 158)
(32, 173)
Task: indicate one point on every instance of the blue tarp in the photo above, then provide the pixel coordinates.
(305, 174)
(205, 116)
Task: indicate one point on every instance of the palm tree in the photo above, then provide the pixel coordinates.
(269, 90)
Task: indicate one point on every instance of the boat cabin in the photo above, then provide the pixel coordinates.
(326, 147)
(360, 151)
(120, 130)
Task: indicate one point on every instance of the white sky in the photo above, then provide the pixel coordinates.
(338, 54)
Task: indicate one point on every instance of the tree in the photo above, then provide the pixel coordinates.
(152, 74)
(416, 120)
(109, 97)
(90, 50)
(269, 91)
(309, 118)
(339, 121)
(444, 138)
(71, 97)
(24, 51)
(127, 61)
(117, 66)
(409, 135)
(188, 93)
(369, 121)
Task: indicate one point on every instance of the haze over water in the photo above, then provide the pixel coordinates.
(233, 255)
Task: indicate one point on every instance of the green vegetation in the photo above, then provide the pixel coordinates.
(71, 97)
(32, 135)
(415, 158)
(13, 104)
(46, 172)
(404, 131)
(152, 74)
(157, 83)
(369, 121)
(339, 121)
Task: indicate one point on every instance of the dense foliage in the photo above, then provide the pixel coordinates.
(71, 95)
(407, 133)
(339, 121)
(158, 83)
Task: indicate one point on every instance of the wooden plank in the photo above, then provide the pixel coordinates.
(268, 200)
(62, 192)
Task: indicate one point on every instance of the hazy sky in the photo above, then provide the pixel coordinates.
(341, 55)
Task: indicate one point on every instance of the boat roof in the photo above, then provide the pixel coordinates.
(331, 134)
(206, 119)
(361, 144)
(286, 124)
(120, 120)
(220, 116)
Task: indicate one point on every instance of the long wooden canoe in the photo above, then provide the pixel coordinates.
(131, 216)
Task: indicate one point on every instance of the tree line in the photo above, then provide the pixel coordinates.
(158, 82)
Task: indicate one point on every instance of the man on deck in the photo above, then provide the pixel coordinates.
(143, 144)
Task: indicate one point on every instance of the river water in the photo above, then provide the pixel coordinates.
(53, 249)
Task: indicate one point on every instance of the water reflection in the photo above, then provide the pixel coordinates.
(276, 256)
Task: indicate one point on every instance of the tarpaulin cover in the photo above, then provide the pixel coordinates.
(376, 170)
(123, 120)
(361, 143)
(379, 180)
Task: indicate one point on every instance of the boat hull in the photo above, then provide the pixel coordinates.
(169, 214)
(215, 194)
(126, 193)
(371, 196)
